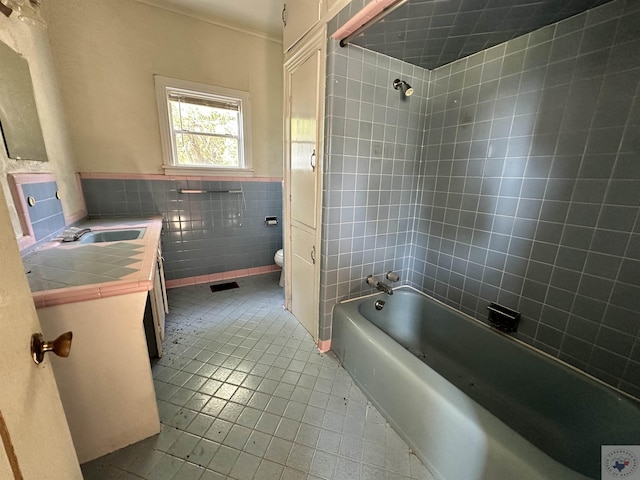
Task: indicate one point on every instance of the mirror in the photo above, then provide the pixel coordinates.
(19, 121)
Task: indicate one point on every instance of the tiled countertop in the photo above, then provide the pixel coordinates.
(70, 272)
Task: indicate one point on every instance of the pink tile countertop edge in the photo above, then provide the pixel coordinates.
(139, 281)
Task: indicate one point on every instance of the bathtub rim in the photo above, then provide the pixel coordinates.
(508, 336)
(497, 437)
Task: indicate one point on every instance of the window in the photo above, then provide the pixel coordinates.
(203, 127)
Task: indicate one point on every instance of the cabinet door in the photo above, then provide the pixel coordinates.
(304, 289)
(157, 309)
(298, 17)
(304, 104)
(304, 114)
(163, 283)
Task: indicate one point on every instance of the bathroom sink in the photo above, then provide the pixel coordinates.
(112, 235)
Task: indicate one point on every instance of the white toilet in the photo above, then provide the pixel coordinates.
(279, 259)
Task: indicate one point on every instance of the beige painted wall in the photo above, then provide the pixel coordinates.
(33, 44)
(106, 53)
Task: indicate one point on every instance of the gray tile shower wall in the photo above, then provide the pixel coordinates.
(46, 214)
(530, 189)
(202, 233)
(372, 151)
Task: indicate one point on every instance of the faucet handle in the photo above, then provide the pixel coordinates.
(373, 281)
(393, 276)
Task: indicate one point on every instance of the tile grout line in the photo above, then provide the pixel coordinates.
(274, 388)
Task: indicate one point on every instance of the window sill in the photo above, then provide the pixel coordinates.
(206, 171)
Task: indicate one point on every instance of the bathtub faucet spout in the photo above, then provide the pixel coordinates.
(383, 287)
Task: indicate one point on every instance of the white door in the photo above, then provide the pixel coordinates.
(304, 140)
(304, 115)
(36, 442)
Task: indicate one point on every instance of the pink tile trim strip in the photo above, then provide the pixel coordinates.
(152, 176)
(369, 11)
(25, 241)
(110, 289)
(70, 295)
(216, 277)
(62, 296)
(324, 345)
(22, 178)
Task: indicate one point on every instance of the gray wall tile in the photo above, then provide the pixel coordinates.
(379, 193)
(46, 214)
(524, 188)
(575, 208)
(204, 233)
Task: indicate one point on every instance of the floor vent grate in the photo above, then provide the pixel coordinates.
(224, 286)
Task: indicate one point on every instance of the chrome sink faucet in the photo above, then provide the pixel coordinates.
(74, 233)
(383, 287)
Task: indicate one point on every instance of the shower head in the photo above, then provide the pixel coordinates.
(403, 86)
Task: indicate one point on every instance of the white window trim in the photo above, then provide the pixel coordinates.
(170, 168)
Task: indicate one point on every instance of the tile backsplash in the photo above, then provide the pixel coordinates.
(37, 201)
(527, 191)
(46, 213)
(206, 233)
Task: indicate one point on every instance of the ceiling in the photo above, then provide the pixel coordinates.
(258, 16)
(431, 33)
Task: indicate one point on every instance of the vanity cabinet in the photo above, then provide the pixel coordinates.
(105, 383)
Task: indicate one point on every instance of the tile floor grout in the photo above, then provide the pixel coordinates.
(244, 394)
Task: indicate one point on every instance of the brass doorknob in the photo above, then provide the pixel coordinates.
(60, 346)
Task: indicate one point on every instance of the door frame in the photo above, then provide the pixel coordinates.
(314, 42)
